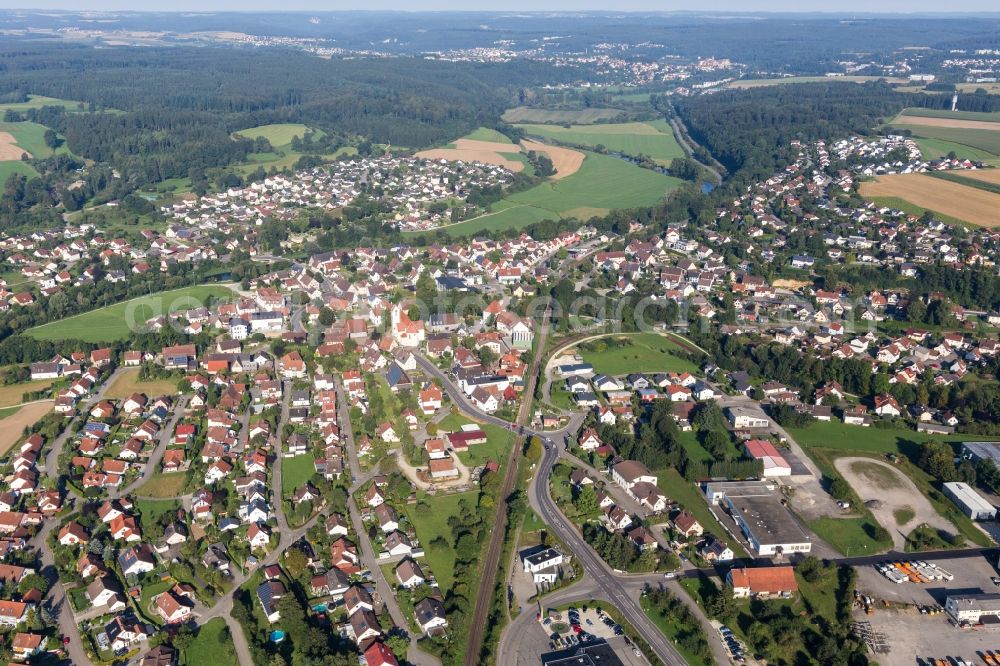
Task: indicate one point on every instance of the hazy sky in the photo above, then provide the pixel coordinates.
(515, 5)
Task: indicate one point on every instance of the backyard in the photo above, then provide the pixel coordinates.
(295, 471)
(211, 645)
(127, 382)
(432, 523)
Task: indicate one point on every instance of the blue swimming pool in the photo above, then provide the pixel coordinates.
(277, 636)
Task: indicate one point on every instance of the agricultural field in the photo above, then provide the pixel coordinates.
(127, 382)
(654, 139)
(601, 183)
(295, 471)
(936, 148)
(648, 352)
(11, 394)
(13, 421)
(972, 205)
(760, 83)
(477, 150)
(10, 167)
(988, 116)
(523, 114)
(115, 322)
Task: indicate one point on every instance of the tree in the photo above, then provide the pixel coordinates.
(327, 316)
(398, 644)
(586, 500)
(183, 638)
(938, 460)
(840, 489)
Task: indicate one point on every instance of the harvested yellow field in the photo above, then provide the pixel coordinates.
(953, 123)
(791, 284)
(470, 150)
(128, 383)
(12, 426)
(965, 203)
(985, 175)
(9, 150)
(11, 395)
(483, 156)
(565, 161)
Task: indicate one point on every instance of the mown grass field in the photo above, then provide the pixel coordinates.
(837, 435)
(523, 114)
(936, 148)
(487, 134)
(601, 183)
(648, 352)
(988, 116)
(30, 136)
(984, 140)
(128, 383)
(433, 523)
(279, 134)
(115, 322)
(654, 139)
(10, 167)
(151, 510)
(295, 472)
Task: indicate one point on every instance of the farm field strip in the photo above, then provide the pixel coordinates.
(973, 205)
(12, 426)
(954, 123)
(988, 116)
(977, 183)
(523, 114)
(565, 161)
(633, 139)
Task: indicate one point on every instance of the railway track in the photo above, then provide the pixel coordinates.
(491, 563)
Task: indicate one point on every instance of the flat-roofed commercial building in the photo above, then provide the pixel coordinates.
(974, 608)
(969, 501)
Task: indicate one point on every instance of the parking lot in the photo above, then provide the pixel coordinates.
(917, 638)
(594, 624)
(972, 575)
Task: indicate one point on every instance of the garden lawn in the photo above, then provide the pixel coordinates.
(147, 593)
(115, 322)
(676, 488)
(295, 472)
(433, 523)
(212, 645)
(496, 448)
(648, 353)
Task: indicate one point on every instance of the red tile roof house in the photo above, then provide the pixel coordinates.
(762, 582)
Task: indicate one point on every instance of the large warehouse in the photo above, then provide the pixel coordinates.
(969, 501)
(765, 522)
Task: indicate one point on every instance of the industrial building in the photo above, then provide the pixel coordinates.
(765, 522)
(969, 501)
(976, 451)
(764, 451)
(974, 608)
